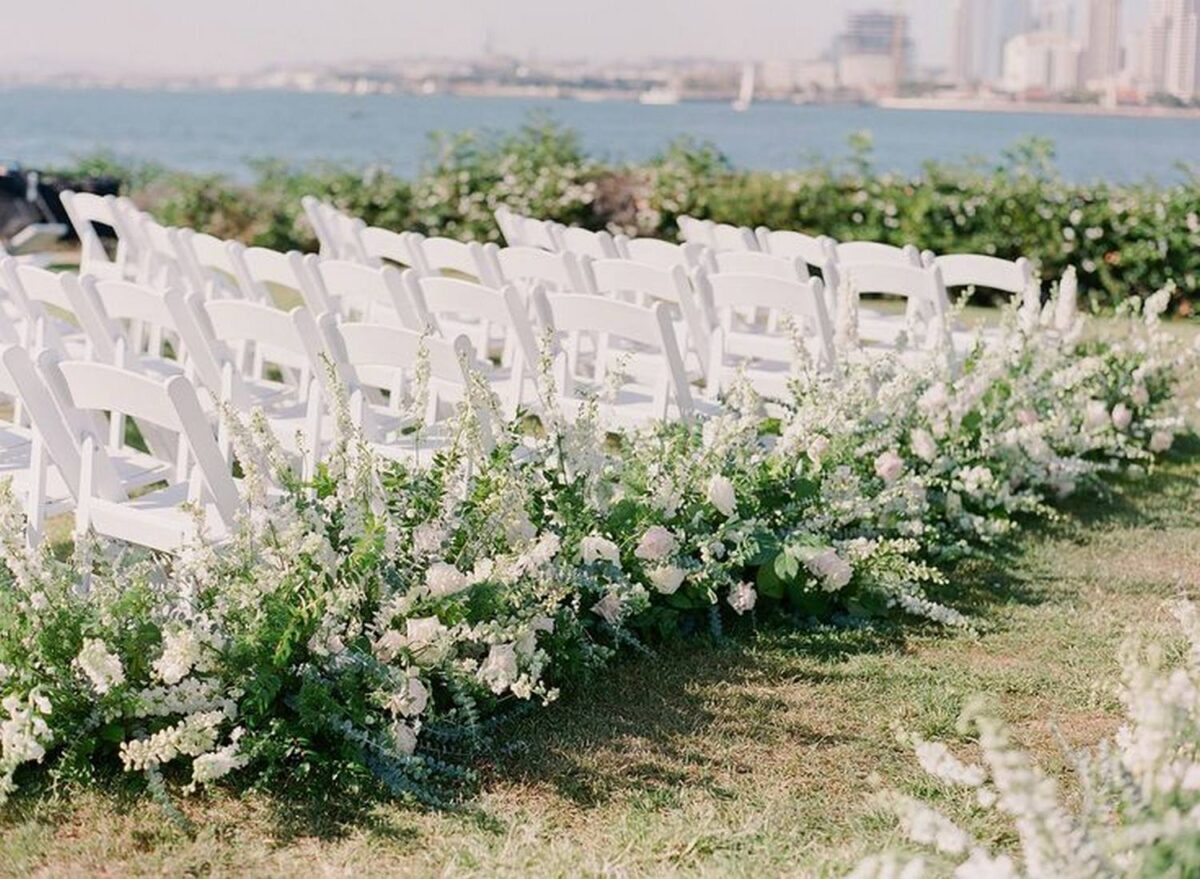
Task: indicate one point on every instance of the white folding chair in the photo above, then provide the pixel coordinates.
(926, 311)
(526, 266)
(337, 232)
(23, 456)
(226, 333)
(436, 255)
(522, 231)
(88, 211)
(271, 277)
(200, 497)
(656, 397)
(384, 245)
(584, 242)
(44, 308)
(815, 250)
(619, 278)
(659, 253)
(399, 413)
(751, 262)
(979, 270)
(873, 252)
(357, 292)
(210, 263)
(716, 236)
(434, 298)
(768, 360)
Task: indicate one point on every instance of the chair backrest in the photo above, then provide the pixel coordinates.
(48, 420)
(922, 287)
(371, 355)
(660, 253)
(32, 289)
(337, 232)
(121, 318)
(316, 219)
(268, 276)
(226, 328)
(803, 300)
(522, 231)
(854, 252)
(615, 277)
(584, 242)
(211, 263)
(717, 236)
(88, 211)
(814, 250)
(358, 291)
(432, 296)
(437, 255)
(979, 270)
(750, 262)
(533, 265)
(567, 313)
(384, 244)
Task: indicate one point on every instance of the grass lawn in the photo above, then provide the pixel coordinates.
(756, 756)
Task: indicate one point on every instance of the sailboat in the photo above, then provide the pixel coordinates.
(746, 92)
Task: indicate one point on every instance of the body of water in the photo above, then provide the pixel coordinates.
(203, 131)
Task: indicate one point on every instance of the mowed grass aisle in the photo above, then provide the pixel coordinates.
(757, 756)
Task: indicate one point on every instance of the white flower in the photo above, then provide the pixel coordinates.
(742, 597)
(1122, 417)
(816, 450)
(1139, 396)
(1026, 417)
(499, 670)
(923, 444)
(424, 632)
(1161, 440)
(411, 699)
(656, 543)
(668, 578)
(934, 400)
(721, 495)
(181, 651)
(404, 738)
(889, 466)
(1095, 415)
(609, 607)
(444, 579)
(100, 666)
(834, 571)
(527, 643)
(594, 547)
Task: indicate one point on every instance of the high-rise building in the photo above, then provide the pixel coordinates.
(874, 52)
(981, 29)
(1102, 58)
(1055, 16)
(1170, 49)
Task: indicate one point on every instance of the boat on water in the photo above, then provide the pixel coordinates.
(746, 91)
(659, 96)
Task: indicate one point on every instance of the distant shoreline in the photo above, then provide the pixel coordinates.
(1050, 108)
(587, 96)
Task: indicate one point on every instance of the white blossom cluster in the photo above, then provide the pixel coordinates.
(1140, 808)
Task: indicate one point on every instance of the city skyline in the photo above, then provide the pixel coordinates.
(223, 36)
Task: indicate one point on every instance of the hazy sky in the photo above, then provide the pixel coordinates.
(204, 36)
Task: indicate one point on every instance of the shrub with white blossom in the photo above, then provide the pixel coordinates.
(369, 629)
(1139, 812)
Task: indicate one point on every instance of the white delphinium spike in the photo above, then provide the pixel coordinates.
(1066, 303)
(845, 331)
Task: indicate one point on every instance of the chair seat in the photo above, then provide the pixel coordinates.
(156, 519)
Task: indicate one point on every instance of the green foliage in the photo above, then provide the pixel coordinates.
(1123, 239)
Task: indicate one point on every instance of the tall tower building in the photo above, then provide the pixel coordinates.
(1170, 49)
(981, 28)
(1102, 59)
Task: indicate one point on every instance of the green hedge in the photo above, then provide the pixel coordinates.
(1123, 239)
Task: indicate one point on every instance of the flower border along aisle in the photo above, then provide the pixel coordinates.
(366, 629)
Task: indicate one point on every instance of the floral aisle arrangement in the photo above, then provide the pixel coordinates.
(1140, 810)
(369, 629)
